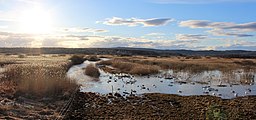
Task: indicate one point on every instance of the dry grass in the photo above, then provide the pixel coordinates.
(92, 71)
(39, 80)
(126, 66)
(192, 64)
(144, 69)
(246, 63)
(77, 59)
(38, 76)
(37, 85)
(92, 58)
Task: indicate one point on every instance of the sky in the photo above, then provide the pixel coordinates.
(158, 24)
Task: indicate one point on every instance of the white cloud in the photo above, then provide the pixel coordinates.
(222, 28)
(136, 22)
(155, 34)
(190, 37)
(8, 16)
(82, 30)
(218, 32)
(87, 41)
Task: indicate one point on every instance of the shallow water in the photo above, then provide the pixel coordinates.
(183, 83)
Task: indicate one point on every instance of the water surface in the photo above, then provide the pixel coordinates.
(213, 83)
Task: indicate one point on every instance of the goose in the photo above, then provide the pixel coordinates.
(108, 81)
(249, 90)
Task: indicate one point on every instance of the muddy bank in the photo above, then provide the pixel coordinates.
(160, 106)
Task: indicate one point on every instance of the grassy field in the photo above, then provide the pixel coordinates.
(36, 86)
(39, 82)
(188, 64)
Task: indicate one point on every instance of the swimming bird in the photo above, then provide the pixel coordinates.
(236, 94)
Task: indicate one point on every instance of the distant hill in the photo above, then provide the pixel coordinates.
(126, 51)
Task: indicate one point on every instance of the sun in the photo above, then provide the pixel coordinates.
(35, 21)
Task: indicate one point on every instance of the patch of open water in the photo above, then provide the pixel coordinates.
(182, 83)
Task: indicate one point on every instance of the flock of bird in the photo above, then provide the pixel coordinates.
(131, 80)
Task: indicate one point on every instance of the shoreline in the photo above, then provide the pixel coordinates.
(159, 106)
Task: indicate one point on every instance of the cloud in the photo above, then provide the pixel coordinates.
(8, 39)
(250, 47)
(205, 24)
(250, 27)
(198, 1)
(217, 32)
(3, 27)
(155, 34)
(222, 28)
(137, 22)
(85, 41)
(190, 37)
(82, 30)
(8, 16)
(246, 27)
(15, 40)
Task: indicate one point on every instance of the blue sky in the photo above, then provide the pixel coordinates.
(161, 24)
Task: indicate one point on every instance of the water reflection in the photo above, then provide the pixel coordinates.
(224, 85)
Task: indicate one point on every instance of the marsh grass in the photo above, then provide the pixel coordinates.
(245, 63)
(126, 66)
(191, 64)
(92, 71)
(92, 58)
(40, 80)
(77, 59)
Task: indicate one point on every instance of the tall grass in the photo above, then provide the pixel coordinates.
(77, 59)
(40, 80)
(92, 58)
(92, 71)
(194, 65)
(127, 66)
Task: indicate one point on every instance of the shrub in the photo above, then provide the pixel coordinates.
(92, 58)
(21, 56)
(92, 71)
(77, 59)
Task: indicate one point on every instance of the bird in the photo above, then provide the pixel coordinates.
(249, 90)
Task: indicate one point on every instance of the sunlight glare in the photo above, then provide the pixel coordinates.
(36, 21)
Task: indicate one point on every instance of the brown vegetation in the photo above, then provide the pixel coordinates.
(34, 87)
(92, 71)
(161, 106)
(195, 64)
(39, 80)
(126, 66)
(92, 58)
(77, 59)
(245, 63)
